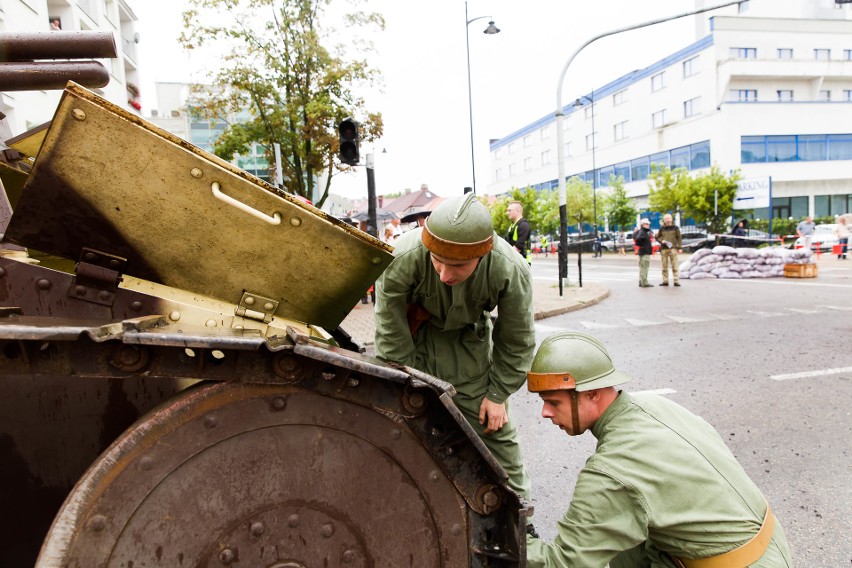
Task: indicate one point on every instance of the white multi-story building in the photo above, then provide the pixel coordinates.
(28, 109)
(768, 92)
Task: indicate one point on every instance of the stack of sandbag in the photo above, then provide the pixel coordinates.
(729, 262)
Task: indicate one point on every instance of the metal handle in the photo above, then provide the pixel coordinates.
(275, 219)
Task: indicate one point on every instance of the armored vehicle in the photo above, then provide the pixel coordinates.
(176, 390)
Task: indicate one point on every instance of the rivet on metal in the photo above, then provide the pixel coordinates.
(78, 114)
(2, 272)
(174, 316)
(328, 375)
(90, 256)
(293, 521)
(43, 284)
(249, 300)
(416, 400)
(268, 306)
(278, 403)
(348, 556)
(114, 263)
(210, 422)
(217, 354)
(295, 221)
(327, 530)
(257, 529)
(98, 523)
(196, 173)
(490, 498)
(376, 260)
(434, 476)
(103, 295)
(136, 306)
(189, 352)
(146, 463)
(396, 433)
(226, 556)
(80, 290)
(210, 323)
(353, 382)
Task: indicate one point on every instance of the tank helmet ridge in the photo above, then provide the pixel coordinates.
(573, 360)
(459, 228)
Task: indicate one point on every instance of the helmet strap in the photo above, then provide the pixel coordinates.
(575, 411)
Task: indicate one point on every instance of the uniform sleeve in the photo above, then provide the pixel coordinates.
(393, 341)
(679, 237)
(513, 336)
(605, 518)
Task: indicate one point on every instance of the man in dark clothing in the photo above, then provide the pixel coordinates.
(519, 232)
(671, 242)
(643, 241)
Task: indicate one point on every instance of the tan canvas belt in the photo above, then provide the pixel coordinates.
(741, 556)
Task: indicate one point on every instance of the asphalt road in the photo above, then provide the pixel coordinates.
(768, 362)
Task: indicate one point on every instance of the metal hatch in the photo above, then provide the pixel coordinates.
(107, 180)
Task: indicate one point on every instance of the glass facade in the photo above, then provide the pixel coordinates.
(825, 205)
(792, 148)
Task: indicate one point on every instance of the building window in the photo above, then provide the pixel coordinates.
(691, 107)
(690, 67)
(622, 171)
(567, 148)
(527, 141)
(824, 96)
(658, 119)
(527, 164)
(545, 157)
(699, 155)
(785, 53)
(511, 148)
(588, 111)
(658, 81)
(744, 52)
(785, 96)
(847, 95)
(512, 169)
(619, 97)
(498, 174)
(590, 141)
(822, 54)
(744, 95)
(805, 147)
(619, 131)
(847, 54)
(545, 133)
(680, 157)
(639, 169)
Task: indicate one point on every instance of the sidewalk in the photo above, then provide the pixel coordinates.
(546, 303)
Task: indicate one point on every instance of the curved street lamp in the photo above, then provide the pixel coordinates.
(560, 135)
(579, 103)
(490, 30)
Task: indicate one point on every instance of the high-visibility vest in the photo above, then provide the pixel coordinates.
(514, 230)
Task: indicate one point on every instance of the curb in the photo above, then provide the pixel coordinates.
(572, 308)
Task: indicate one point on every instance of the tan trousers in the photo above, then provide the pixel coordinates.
(669, 256)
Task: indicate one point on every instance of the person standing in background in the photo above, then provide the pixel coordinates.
(805, 230)
(671, 242)
(519, 231)
(642, 239)
(842, 232)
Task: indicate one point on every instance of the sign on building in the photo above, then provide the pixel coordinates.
(753, 193)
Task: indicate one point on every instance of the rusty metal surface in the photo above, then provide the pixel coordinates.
(71, 44)
(184, 218)
(43, 75)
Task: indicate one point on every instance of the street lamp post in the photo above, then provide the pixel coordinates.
(490, 30)
(579, 103)
(560, 135)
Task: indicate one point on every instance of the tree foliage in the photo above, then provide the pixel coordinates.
(707, 198)
(280, 67)
(579, 201)
(619, 207)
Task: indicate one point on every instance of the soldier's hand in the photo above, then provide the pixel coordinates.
(492, 415)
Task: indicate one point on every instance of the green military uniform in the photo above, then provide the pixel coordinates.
(668, 252)
(459, 343)
(661, 482)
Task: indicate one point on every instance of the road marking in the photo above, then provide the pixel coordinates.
(725, 317)
(548, 328)
(842, 308)
(802, 311)
(782, 281)
(593, 325)
(655, 391)
(684, 319)
(766, 314)
(642, 323)
(808, 374)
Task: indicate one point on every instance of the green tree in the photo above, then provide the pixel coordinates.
(276, 67)
(579, 201)
(527, 197)
(667, 188)
(710, 199)
(546, 213)
(619, 207)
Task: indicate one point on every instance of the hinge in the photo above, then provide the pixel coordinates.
(256, 307)
(96, 277)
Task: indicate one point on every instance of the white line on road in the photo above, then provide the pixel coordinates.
(783, 281)
(844, 308)
(655, 391)
(594, 325)
(808, 374)
(641, 323)
(684, 319)
(548, 328)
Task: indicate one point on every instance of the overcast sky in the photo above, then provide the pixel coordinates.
(423, 59)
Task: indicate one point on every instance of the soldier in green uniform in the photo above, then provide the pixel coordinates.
(661, 489)
(433, 313)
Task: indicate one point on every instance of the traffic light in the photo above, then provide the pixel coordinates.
(349, 143)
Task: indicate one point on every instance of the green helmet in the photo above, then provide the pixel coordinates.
(573, 360)
(459, 228)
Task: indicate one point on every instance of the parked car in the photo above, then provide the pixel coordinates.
(823, 238)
